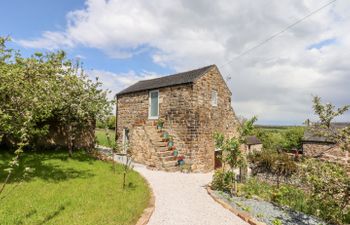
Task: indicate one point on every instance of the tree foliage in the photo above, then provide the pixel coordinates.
(326, 113)
(41, 88)
(232, 154)
(329, 186)
(109, 122)
(284, 139)
(45, 87)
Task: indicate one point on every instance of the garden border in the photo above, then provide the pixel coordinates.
(243, 215)
(147, 212)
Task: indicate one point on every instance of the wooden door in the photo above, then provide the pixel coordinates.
(218, 155)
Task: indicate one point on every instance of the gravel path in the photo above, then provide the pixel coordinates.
(181, 199)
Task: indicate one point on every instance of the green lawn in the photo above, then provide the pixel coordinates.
(101, 137)
(81, 190)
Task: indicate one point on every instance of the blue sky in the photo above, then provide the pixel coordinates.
(122, 42)
(22, 19)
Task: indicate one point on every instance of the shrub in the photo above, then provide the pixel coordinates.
(279, 164)
(329, 187)
(222, 181)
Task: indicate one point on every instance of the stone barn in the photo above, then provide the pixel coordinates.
(322, 148)
(168, 122)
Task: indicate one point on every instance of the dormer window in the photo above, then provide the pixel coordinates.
(214, 98)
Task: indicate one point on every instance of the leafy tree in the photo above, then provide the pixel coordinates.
(45, 87)
(329, 182)
(40, 88)
(109, 123)
(327, 113)
(232, 154)
(293, 138)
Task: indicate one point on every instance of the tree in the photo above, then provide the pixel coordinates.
(45, 87)
(231, 148)
(326, 114)
(329, 182)
(40, 88)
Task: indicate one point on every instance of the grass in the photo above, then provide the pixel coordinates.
(102, 137)
(80, 190)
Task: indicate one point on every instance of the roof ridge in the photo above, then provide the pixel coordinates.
(185, 77)
(175, 74)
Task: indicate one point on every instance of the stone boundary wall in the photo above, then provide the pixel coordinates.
(57, 137)
(326, 152)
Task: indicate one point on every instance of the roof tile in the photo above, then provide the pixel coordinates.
(167, 81)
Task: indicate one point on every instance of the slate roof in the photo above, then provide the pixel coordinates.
(252, 140)
(310, 136)
(167, 81)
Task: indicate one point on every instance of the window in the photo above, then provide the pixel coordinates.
(125, 139)
(153, 104)
(214, 98)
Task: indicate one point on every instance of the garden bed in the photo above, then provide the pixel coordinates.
(267, 212)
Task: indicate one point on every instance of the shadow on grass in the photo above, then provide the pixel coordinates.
(46, 219)
(52, 215)
(44, 168)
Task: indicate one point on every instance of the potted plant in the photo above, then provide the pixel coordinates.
(160, 124)
(166, 136)
(170, 142)
(180, 160)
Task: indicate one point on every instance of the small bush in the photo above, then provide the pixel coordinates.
(278, 164)
(222, 181)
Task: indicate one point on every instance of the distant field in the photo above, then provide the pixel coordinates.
(272, 128)
(101, 137)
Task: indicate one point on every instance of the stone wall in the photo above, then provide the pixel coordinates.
(210, 119)
(57, 136)
(327, 152)
(175, 109)
(132, 110)
(254, 148)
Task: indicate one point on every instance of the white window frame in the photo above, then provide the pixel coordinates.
(150, 105)
(214, 101)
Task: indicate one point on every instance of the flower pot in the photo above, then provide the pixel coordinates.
(180, 162)
(176, 153)
(170, 144)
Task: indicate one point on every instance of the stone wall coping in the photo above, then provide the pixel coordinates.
(243, 215)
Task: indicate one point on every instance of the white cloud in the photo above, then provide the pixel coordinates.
(275, 81)
(116, 82)
(49, 40)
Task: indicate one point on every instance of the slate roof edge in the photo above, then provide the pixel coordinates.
(122, 92)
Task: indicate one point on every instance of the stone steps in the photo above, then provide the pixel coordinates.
(167, 160)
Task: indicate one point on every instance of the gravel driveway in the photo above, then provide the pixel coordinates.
(181, 199)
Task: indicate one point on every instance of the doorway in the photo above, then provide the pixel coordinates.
(217, 159)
